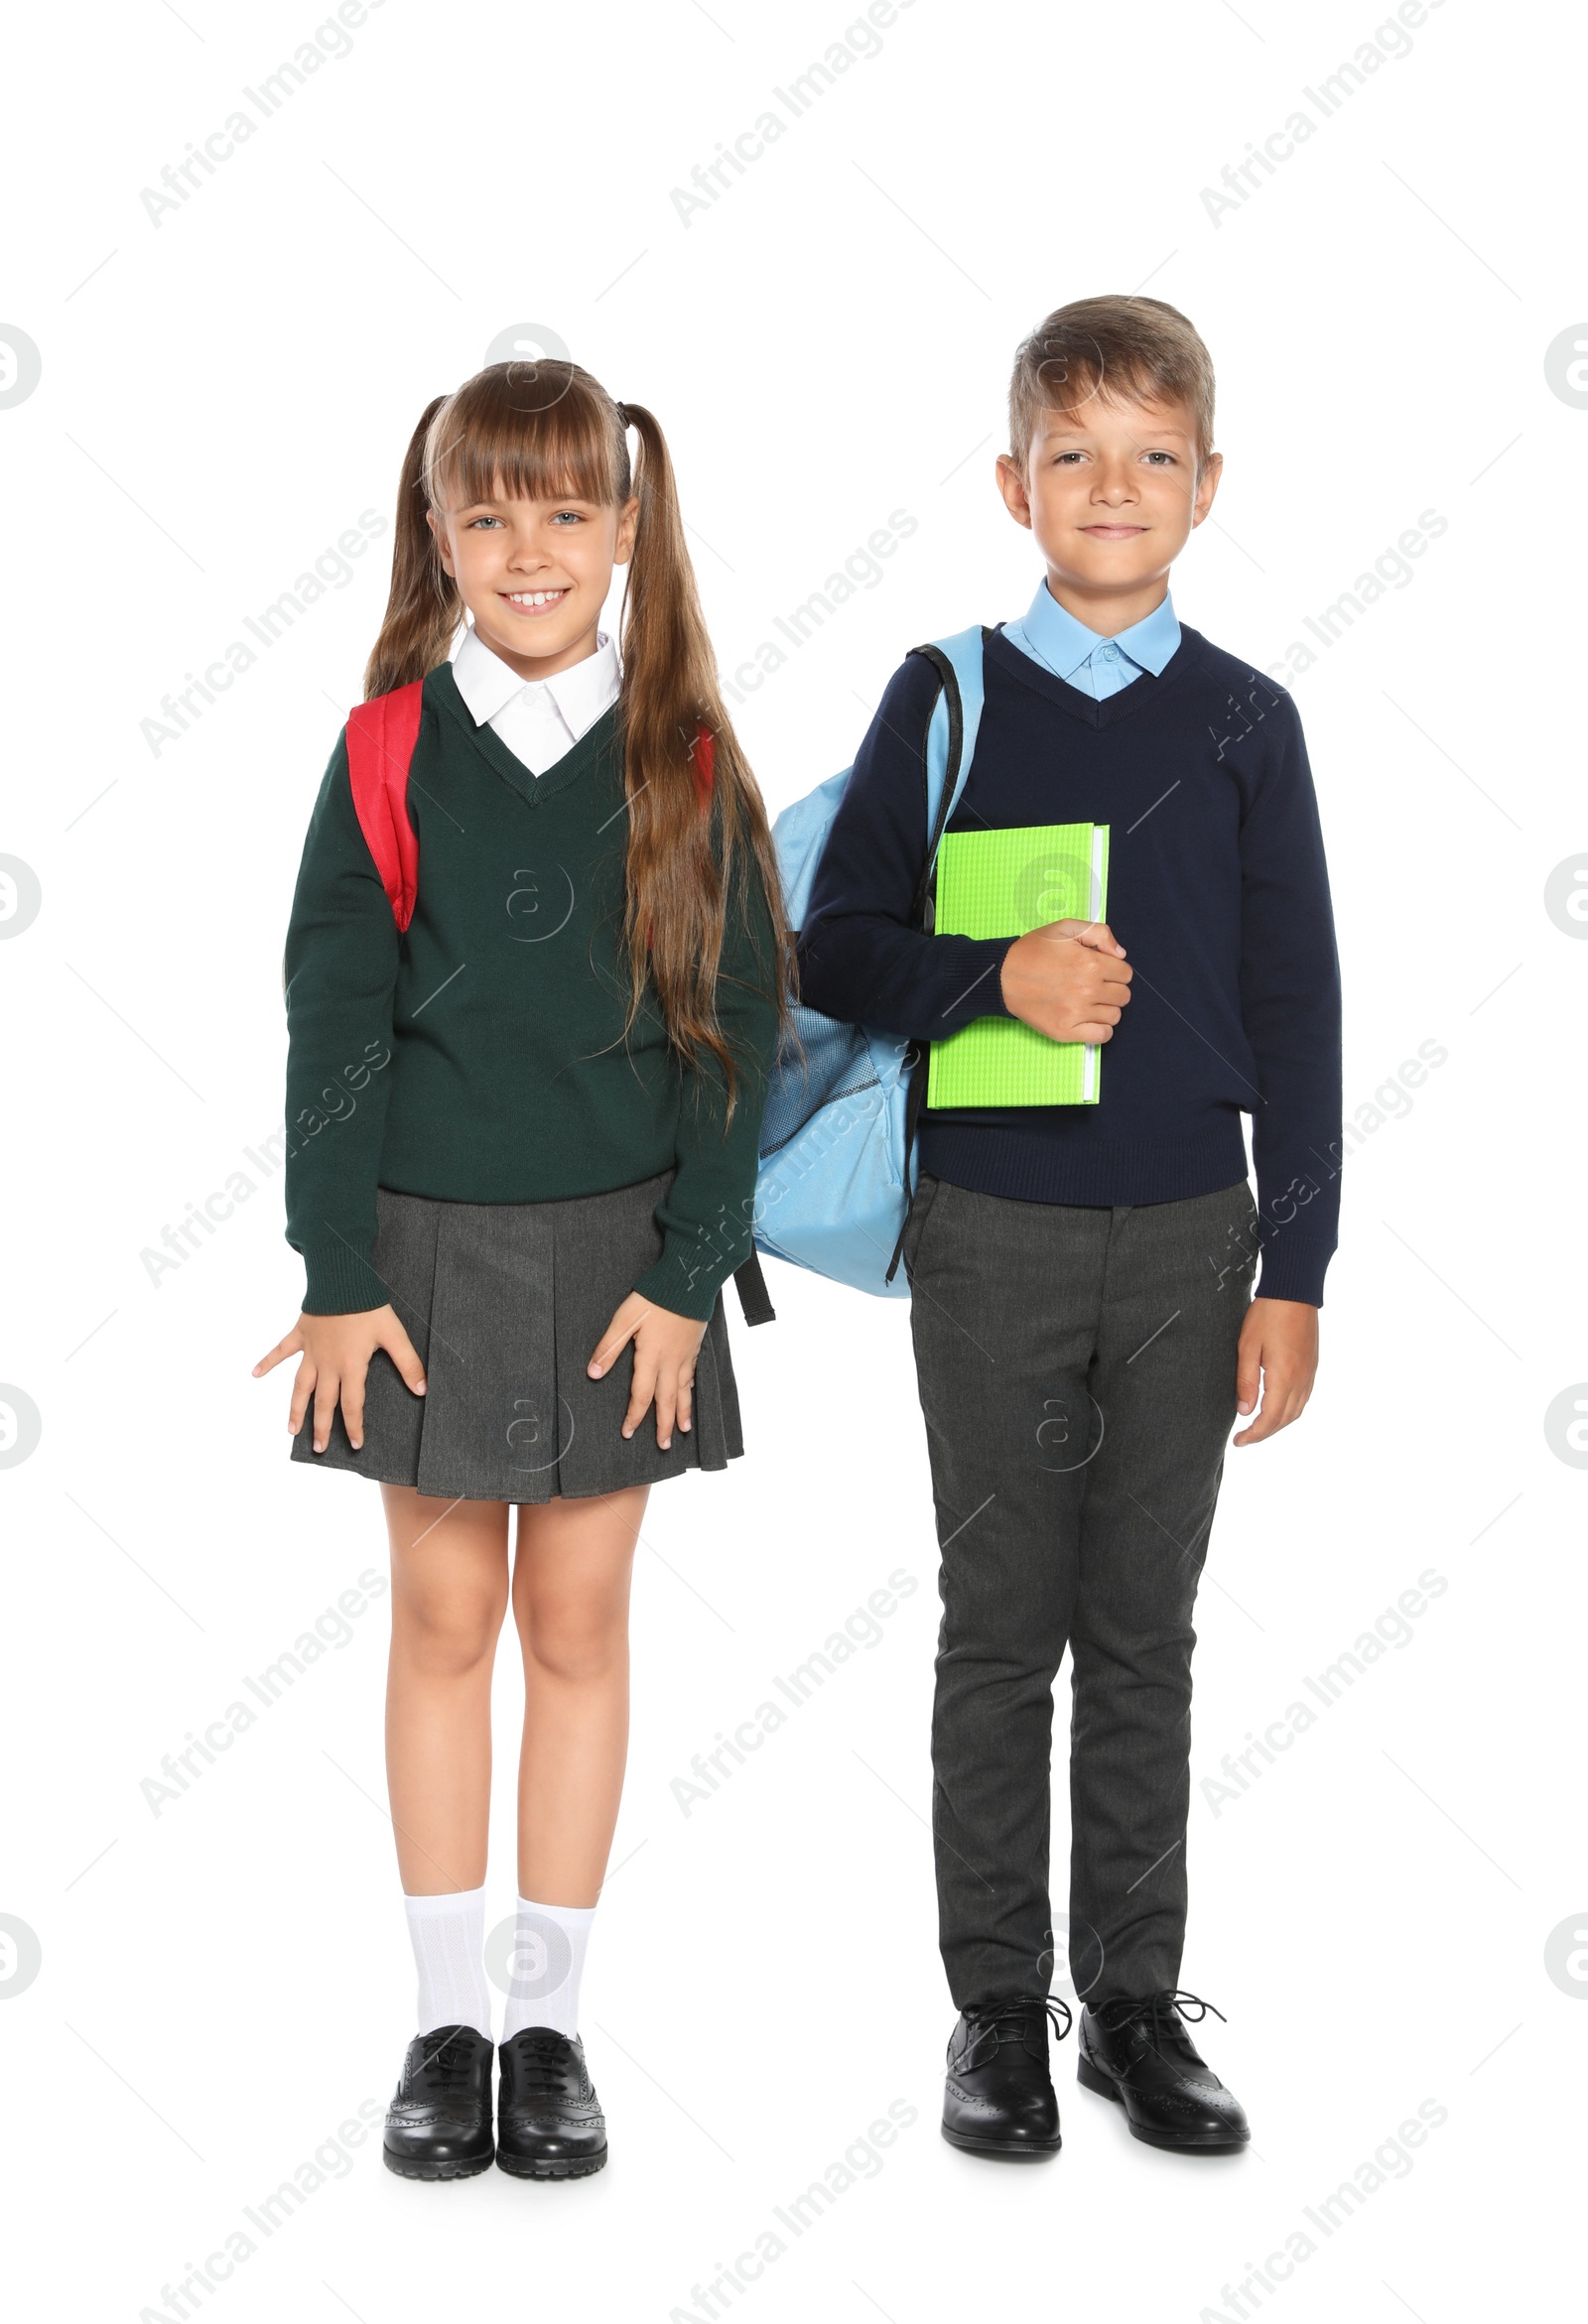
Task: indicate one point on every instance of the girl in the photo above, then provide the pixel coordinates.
(523, 1148)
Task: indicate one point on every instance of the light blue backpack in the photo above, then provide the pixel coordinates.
(837, 1157)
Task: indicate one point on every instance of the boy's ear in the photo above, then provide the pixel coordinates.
(1011, 483)
(1208, 475)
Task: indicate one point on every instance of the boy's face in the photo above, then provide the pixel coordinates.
(1112, 491)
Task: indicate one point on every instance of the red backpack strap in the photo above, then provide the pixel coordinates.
(381, 735)
(703, 751)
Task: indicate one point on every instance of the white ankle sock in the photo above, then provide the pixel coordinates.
(548, 1960)
(448, 1934)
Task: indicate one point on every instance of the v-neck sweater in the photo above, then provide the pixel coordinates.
(1218, 890)
(482, 1056)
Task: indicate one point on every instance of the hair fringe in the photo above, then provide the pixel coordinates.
(1104, 347)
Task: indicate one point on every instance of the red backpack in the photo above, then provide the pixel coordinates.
(382, 736)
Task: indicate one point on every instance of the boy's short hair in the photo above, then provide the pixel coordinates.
(1104, 346)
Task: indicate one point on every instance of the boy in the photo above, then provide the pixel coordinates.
(1085, 1332)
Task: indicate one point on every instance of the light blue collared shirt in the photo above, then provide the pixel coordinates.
(1097, 666)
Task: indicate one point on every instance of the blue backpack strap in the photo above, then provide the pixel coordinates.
(950, 747)
(949, 742)
(964, 679)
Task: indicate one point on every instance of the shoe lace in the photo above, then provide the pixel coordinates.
(544, 2066)
(1155, 2013)
(449, 2067)
(1008, 2021)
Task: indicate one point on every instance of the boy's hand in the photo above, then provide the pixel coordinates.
(335, 1351)
(1279, 1340)
(1068, 980)
(665, 1348)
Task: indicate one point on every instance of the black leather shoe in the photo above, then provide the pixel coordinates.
(1140, 2053)
(997, 2094)
(549, 2121)
(438, 2126)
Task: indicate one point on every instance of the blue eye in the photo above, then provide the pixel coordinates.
(571, 514)
(482, 520)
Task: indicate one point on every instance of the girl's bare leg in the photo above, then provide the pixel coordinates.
(571, 1587)
(449, 1595)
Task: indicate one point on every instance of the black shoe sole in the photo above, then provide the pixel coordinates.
(1090, 2078)
(536, 2166)
(408, 2166)
(1001, 2150)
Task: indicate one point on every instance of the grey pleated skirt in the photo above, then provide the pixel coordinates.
(507, 1303)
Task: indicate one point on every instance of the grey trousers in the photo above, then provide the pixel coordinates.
(1077, 1376)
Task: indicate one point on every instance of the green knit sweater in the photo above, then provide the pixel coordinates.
(482, 1056)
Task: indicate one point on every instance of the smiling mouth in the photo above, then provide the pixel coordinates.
(533, 601)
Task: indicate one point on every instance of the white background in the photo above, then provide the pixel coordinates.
(223, 392)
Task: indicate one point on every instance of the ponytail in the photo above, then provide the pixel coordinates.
(424, 608)
(697, 828)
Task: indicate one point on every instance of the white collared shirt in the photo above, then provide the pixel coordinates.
(540, 718)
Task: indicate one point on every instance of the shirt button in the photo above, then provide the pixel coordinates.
(1111, 653)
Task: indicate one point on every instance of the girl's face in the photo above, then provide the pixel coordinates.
(535, 574)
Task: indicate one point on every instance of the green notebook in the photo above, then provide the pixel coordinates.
(1004, 883)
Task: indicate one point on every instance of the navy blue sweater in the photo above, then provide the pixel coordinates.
(1217, 890)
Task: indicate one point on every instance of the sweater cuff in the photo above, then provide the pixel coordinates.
(1294, 1270)
(688, 1276)
(983, 994)
(340, 1282)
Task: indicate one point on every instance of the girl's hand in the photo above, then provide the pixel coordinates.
(335, 1351)
(1279, 1344)
(665, 1348)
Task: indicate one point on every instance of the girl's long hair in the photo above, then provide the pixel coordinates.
(534, 432)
